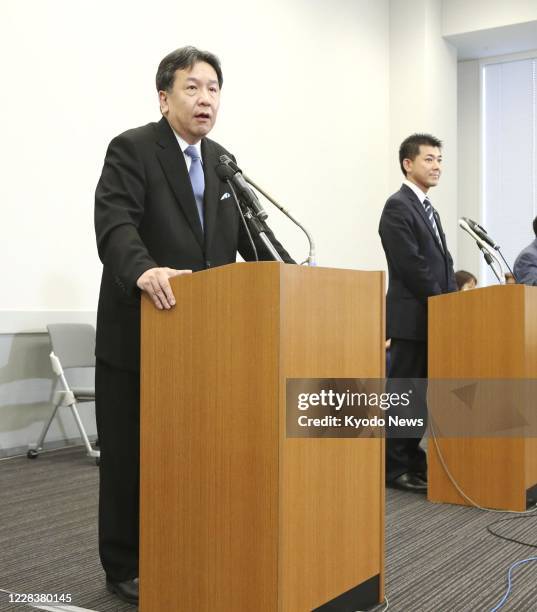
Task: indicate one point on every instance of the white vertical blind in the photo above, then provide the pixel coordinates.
(509, 155)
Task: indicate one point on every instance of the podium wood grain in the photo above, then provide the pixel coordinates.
(488, 333)
(234, 515)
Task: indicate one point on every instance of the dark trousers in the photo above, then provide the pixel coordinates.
(408, 359)
(117, 406)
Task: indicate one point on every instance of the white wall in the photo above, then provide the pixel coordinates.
(465, 16)
(469, 161)
(304, 108)
(317, 98)
(423, 98)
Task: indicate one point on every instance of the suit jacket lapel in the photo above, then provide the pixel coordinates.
(210, 199)
(440, 231)
(174, 166)
(444, 244)
(421, 211)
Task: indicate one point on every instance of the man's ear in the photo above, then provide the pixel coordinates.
(163, 101)
(407, 165)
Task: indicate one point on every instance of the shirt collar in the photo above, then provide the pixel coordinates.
(419, 193)
(184, 144)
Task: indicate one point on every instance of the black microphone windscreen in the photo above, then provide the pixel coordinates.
(224, 172)
(226, 159)
(234, 166)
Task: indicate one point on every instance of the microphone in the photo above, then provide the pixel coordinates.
(228, 170)
(463, 223)
(488, 253)
(481, 232)
(225, 173)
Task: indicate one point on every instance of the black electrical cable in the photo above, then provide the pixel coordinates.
(507, 539)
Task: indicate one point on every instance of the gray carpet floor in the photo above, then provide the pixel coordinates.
(439, 558)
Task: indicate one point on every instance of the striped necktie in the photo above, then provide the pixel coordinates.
(196, 178)
(430, 215)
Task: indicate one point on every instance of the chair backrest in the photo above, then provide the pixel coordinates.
(73, 344)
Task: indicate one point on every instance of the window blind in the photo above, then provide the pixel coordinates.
(509, 155)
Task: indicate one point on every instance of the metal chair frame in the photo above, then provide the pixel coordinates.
(71, 340)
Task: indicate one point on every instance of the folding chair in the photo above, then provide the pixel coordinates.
(73, 346)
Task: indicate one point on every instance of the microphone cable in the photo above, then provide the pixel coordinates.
(458, 488)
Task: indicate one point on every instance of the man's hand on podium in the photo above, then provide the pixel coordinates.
(155, 283)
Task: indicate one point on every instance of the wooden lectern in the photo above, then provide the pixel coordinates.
(488, 333)
(235, 516)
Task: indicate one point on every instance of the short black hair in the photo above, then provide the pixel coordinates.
(182, 58)
(535, 226)
(462, 277)
(410, 147)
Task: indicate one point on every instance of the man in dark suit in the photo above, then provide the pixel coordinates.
(419, 266)
(525, 267)
(160, 211)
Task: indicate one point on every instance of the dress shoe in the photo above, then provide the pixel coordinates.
(126, 591)
(408, 482)
(422, 476)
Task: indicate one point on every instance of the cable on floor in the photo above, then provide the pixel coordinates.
(509, 582)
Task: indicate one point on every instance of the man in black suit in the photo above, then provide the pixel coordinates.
(160, 211)
(419, 266)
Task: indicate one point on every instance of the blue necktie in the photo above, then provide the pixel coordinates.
(430, 214)
(196, 178)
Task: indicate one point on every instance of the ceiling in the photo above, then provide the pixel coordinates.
(514, 38)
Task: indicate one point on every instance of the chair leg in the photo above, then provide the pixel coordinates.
(33, 452)
(91, 452)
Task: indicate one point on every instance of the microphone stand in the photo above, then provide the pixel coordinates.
(482, 233)
(488, 258)
(254, 211)
(508, 266)
(243, 220)
(488, 252)
(254, 226)
(311, 256)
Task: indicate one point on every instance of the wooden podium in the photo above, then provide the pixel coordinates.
(488, 333)
(235, 516)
